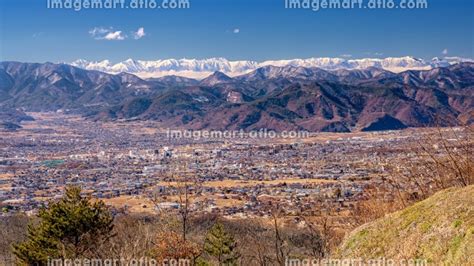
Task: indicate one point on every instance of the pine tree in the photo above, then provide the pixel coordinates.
(221, 245)
(70, 228)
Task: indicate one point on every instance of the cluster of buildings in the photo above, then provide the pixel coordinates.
(237, 178)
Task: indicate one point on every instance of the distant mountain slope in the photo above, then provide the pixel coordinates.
(270, 97)
(216, 78)
(174, 80)
(46, 87)
(439, 229)
(283, 98)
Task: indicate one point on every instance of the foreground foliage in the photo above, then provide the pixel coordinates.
(221, 245)
(71, 228)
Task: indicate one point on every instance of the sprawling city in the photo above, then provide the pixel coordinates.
(138, 167)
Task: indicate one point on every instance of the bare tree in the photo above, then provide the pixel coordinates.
(279, 242)
(439, 159)
(13, 230)
(134, 238)
(443, 158)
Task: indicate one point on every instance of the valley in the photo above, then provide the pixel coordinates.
(135, 167)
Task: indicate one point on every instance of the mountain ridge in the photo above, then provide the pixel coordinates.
(200, 68)
(277, 98)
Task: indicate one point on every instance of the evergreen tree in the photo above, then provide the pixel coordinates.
(70, 228)
(221, 245)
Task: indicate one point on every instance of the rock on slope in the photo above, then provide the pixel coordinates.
(439, 229)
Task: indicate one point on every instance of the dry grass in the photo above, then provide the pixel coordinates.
(439, 229)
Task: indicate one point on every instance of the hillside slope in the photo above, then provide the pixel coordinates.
(439, 229)
(273, 98)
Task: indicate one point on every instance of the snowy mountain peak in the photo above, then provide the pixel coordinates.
(200, 68)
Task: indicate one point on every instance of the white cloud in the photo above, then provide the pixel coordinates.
(114, 35)
(236, 30)
(346, 55)
(100, 33)
(140, 33)
(445, 51)
(110, 34)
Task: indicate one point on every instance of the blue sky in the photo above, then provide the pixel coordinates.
(234, 29)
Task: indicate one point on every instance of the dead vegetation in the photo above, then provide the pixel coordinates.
(441, 160)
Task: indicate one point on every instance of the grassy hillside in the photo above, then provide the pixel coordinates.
(439, 229)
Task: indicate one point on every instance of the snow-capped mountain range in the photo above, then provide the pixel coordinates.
(200, 68)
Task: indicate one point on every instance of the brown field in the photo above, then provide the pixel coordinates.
(134, 204)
